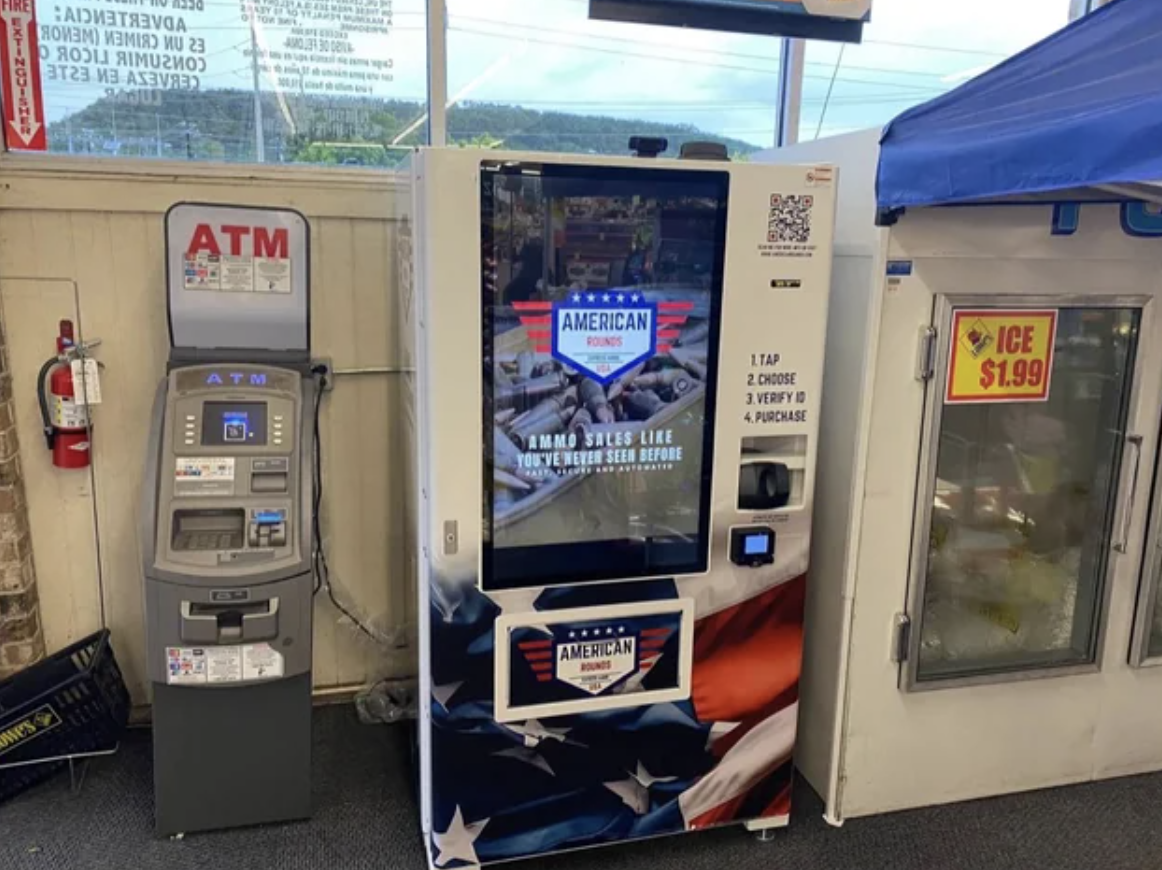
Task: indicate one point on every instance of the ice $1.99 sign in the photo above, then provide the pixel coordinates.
(1000, 355)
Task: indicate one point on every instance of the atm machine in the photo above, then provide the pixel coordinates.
(227, 515)
(613, 372)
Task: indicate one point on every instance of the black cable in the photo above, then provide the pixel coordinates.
(322, 570)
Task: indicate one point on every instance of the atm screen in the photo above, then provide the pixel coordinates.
(237, 424)
(602, 292)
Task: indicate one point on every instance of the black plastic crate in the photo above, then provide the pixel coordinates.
(71, 704)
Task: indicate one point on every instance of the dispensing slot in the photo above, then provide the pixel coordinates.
(268, 482)
(229, 623)
(772, 473)
(208, 529)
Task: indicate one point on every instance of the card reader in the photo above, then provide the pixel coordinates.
(752, 546)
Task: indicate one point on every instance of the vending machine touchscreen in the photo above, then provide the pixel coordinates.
(599, 401)
(613, 421)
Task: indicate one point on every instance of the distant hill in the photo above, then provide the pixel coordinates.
(219, 125)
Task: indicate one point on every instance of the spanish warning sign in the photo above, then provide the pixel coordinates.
(1000, 355)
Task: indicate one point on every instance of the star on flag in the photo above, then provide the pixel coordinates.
(456, 843)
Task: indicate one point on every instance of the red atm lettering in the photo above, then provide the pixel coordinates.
(267, 243)
(235, 234)
(271, 246)
(1015, 339)
(204, 240)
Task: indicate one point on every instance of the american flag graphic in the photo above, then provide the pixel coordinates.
(503, 791)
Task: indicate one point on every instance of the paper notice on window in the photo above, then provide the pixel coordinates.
(237, 275)
(272, 275)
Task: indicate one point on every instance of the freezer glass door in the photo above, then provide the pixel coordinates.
(1146, 647)
(1019, 490)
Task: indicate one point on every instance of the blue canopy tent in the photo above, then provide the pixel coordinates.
(1079, 110)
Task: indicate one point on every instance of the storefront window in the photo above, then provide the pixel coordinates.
(539, 75)
(912, 52)
(269, 81)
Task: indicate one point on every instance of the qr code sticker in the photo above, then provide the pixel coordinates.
(790, 218)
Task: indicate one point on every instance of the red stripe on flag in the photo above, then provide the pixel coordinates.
(542, 348)
(536, 321)
(541, 666)
(535, 644)
(665, 348)
(675, 306)
(654, 644)
(654, 632)
(544, 678)
(533, 306)
(668, 334)
(539, 656)
(669, 319)
(539, 335)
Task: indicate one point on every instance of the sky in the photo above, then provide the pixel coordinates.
(546, 54)
(724, 83)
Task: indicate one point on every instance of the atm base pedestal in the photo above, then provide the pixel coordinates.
(231, 757)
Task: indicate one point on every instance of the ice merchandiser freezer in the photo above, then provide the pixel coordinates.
(983, 606)
(614, 415)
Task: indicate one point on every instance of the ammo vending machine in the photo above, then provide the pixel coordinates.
(613, 417)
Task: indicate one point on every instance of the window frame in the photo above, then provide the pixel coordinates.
(787, 106)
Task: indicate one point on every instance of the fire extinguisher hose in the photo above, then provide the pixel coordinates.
(42, 398)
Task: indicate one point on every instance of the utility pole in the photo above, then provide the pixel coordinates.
(259, 140)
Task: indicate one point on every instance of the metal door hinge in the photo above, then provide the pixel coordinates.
(926, 354)
(901, 637)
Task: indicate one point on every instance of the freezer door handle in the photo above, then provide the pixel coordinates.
(1123, 542)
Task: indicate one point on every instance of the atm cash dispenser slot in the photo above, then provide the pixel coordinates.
(241, 622)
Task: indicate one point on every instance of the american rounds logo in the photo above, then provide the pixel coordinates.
(603, 334)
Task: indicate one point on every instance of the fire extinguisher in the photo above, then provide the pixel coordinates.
(67, 426)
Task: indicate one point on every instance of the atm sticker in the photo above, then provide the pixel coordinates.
(272, 275)
(203, 271)
(261, 661)
(197, 468)
(199, 666)
(241, 273)
(223, 664)
(185, 666)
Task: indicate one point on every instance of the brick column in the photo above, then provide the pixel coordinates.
(21, 639)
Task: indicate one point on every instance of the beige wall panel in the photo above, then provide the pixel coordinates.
(102, 227)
